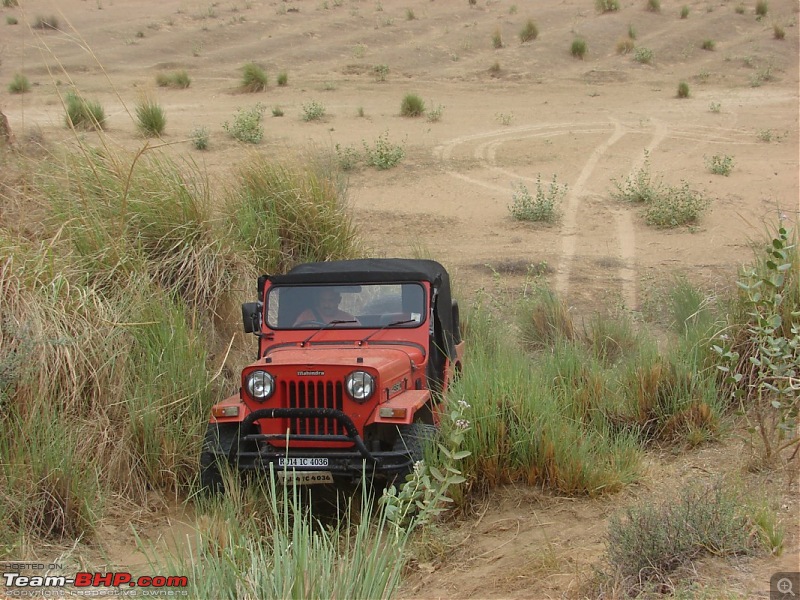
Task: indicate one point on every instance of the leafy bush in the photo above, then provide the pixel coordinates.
(177, 79)
(199, 138)
(381, 72)
(675, 206)
(313, 111)
(150, 118)
(435, 113)
(412, 106)
(720, 164)
(254, 78)
(643, 55)
(641, 188)
(529, 31)
(683, 90)
(247, 124)
(19, 84)
(578, 48)
(541, 207)
(347, 157)
(383, 155)
(647, 542)
(83, 114)
(605, 6)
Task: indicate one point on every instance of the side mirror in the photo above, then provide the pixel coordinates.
(251, 316)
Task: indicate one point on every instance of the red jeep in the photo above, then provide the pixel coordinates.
(354, 360)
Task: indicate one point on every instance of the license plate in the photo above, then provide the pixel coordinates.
(305, 477)
(302, 462)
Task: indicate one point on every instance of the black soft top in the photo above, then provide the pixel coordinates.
(383, 270)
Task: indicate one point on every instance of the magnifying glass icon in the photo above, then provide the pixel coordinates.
(784, 586)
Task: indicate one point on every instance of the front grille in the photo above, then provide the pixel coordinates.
(315, 394)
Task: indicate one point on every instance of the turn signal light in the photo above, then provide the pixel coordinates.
(225, 411)
(388, 412)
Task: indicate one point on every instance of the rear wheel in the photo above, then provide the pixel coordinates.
(217, 446)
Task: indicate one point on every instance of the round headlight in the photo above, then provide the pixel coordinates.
(260, 385)
(360, 385)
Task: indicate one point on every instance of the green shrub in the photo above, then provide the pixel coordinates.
(642, 187)
(578, 48)
(283, 78)
(384, 154)
(19, 84)
(247, 124)
(708, 44)
(684, 12)
(683, 90)
(529, 31)
(435, 113)
(497, 39)
(200, 136)
(675, 207)
(631, 31)
(605, 6)
(277, 111)
(715, 107)
(412, 106)
(647, 542)
(83, 114)
(381, 72)
(11, 20)
(348, 158)
(254, 78)
(778, 32)
(739, 9)
(643, 55)
(761, 8)
(177, 79)
(543, 206)
(654, 6)
(720, 164)
(150, 118)
(10, 3)
(313, 111)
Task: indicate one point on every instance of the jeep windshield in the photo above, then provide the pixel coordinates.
(367, 306)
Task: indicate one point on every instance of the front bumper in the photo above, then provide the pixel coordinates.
(254, 453)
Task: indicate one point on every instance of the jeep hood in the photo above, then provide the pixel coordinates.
(389, 360)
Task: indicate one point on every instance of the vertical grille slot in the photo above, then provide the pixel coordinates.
(315, 394)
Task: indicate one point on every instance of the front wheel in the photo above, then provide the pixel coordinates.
(413, 439)
(217, 444)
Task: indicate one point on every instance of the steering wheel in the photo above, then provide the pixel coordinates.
(310, 322)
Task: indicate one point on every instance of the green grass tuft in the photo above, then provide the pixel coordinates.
(605, 6)
(254, 78)
(683, 90)
(762, 8)
(177, 79)
(578, 48)
(82, 113)
(529, 32)
(150, 118)
(283, 78)
(412, 106)
(653, 6)
(19, 84)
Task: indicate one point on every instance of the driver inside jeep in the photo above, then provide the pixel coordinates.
(326, 310)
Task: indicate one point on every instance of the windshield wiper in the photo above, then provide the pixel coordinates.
(391, 324)
(334, 322)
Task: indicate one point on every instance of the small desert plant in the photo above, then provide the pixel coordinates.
(254, 78)
(412, 106)
(777, 31)
(761, 8)
(761, 76)
(605, 6)
(497, 39)
(435, 113)
(277, 111)
(640, 187)
(683, 90)
(381, 72)
(529, 32)
(654, 6)
(384, 154)
(715, 107)
(675, 207)
(150, 118)
(542, 207)
(347, 157)
(313, 111)
(199, 138)
(625, 45)
(283, 78)
(410, 16)
(578, 48)
(360, 112)
(643, 55)
(41, 22)
(10, 3)
(11, 20)
(495, 69)
(19, 84)
(708, 44)
(631, 31)
(720, 164)
(178, 79)
(684, 12)
(83, 114)
(505, 118)
(739, 9)
(765, 135)
(247, 126)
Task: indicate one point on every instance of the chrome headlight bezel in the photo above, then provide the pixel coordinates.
(360, 386)
(260, 385)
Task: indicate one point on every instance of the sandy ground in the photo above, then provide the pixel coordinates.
(509, 115)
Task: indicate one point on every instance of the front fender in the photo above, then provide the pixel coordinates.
(410, 400)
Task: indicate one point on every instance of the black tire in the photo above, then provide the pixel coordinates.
(217, 446)
(414, 438)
